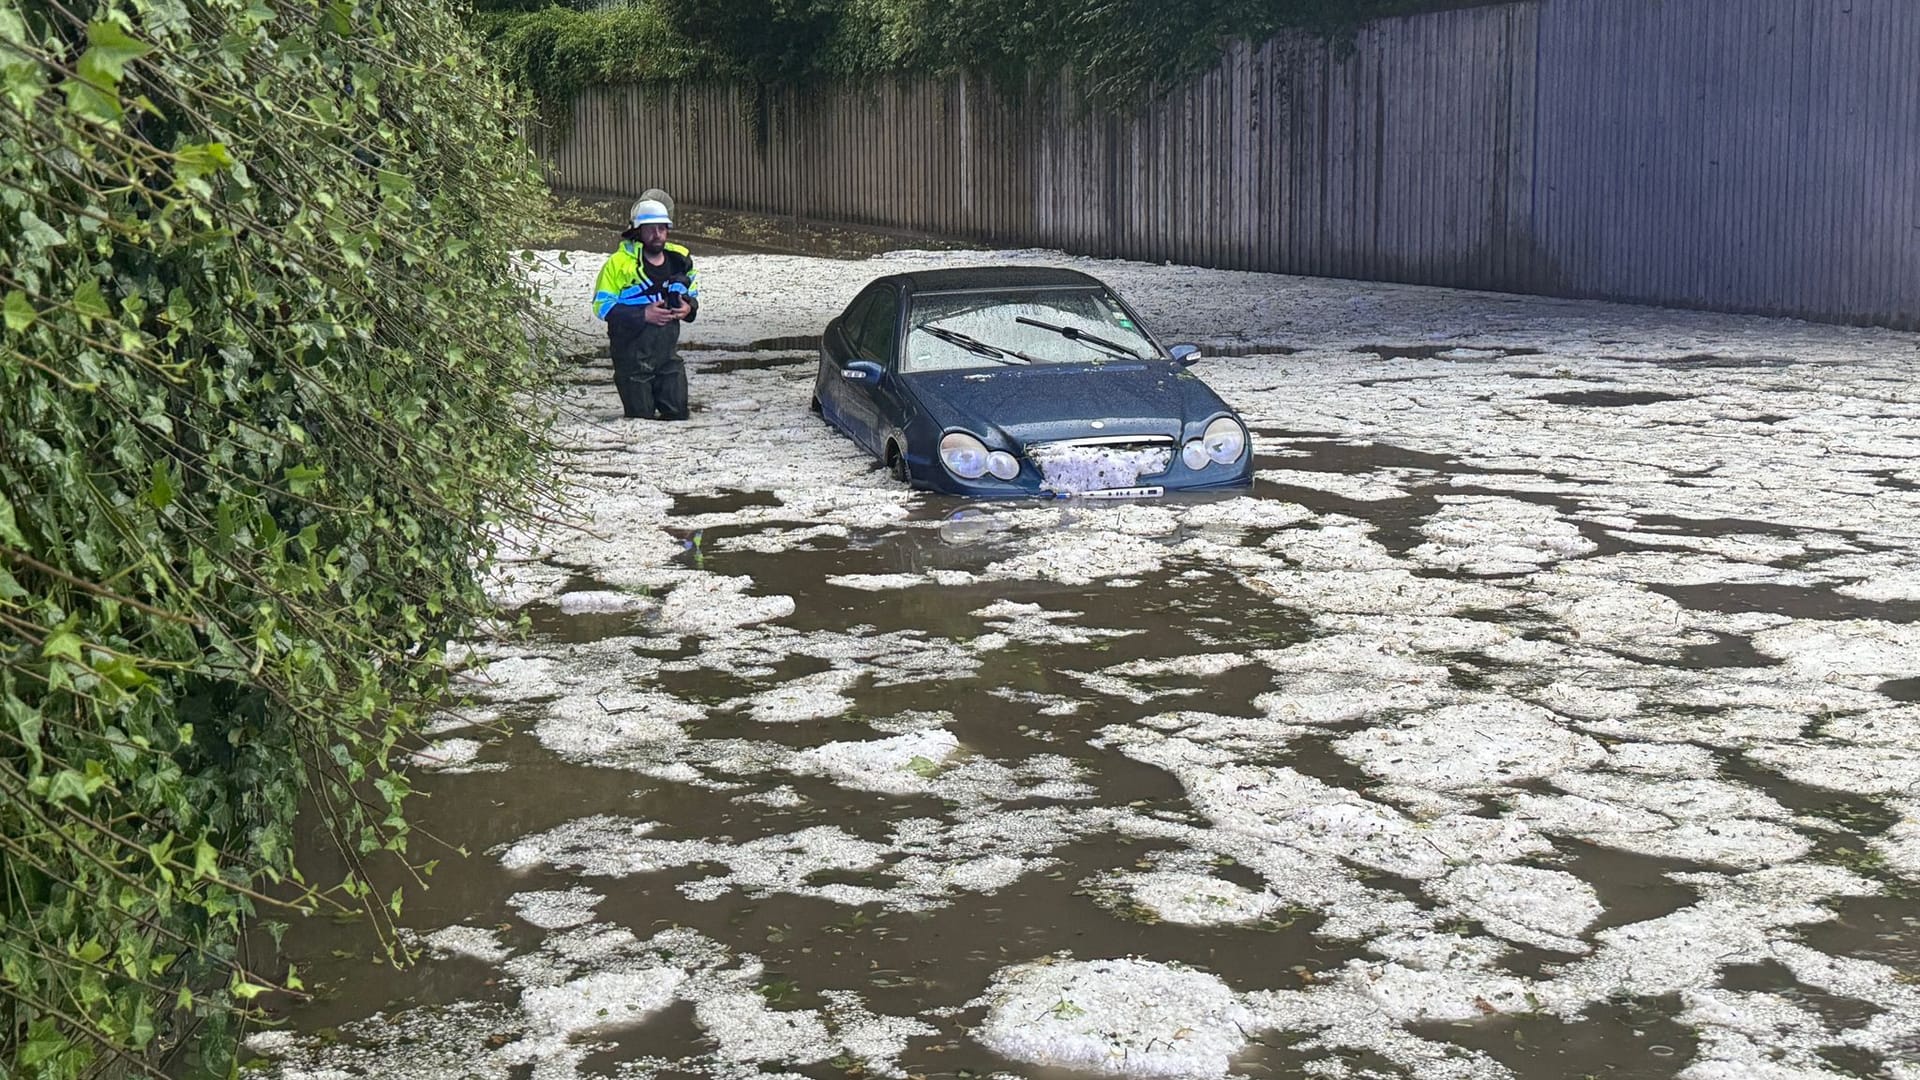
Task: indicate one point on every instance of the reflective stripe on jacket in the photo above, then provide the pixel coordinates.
(621, 282)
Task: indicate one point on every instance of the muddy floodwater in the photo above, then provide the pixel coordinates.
(1546, 709)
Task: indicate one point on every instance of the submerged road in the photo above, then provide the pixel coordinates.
(1546, 709)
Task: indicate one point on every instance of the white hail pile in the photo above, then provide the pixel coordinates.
(1071, 470)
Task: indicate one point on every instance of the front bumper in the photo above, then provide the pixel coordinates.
(928, 474)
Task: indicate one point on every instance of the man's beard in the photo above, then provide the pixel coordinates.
(653, 248)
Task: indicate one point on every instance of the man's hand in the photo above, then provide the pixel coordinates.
(657, 315)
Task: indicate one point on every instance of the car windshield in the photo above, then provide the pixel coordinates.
(1032, 326)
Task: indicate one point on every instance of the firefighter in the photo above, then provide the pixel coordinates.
(645, 290)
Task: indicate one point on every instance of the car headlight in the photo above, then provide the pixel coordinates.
(1003, 465)
(1225, 440)
(963, 455)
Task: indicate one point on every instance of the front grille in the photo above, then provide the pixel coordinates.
(1118, 461)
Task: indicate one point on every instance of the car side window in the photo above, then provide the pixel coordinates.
(873, 336)
(850, 322)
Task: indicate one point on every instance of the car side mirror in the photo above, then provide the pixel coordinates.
(1184, 355)
(863, 371)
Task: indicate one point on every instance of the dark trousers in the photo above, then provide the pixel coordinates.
(650, 376)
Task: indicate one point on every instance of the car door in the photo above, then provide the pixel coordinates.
(871, 337)
(837, 350)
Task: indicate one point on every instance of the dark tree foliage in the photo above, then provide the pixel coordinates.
(1119, 52)
(769, 41)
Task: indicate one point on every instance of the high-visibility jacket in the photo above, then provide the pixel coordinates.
(621, 280)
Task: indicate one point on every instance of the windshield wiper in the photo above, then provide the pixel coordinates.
(1074, 333)
(976, 346)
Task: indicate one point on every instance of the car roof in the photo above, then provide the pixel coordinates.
(972, 278)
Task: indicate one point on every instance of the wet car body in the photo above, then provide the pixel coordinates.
(1043, 366)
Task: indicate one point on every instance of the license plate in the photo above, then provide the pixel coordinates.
(1126, 493)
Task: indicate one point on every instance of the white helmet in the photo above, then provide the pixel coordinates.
(650, 212)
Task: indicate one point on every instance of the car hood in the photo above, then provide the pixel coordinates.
(1061, 401)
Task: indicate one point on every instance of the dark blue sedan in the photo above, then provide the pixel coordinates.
(1019, 380)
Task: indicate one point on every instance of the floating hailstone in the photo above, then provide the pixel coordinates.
(1082, 557)
(604, 1000)
(1607, 613)
(1414, 996)
(746, 1030)
(897, 766)
(1244, 511)
(471, 941)
(1492, 535)
(1662, 759)
(1344, 677)
(1394, 591)
(1891, 584)
(1900, 844)
(601, 602)
(1127, 1017)
(1734, 841)
(1203, 665)
(1070, 470)
(512, 585)
(1865, 770)
(587, 727)
(811, 697)
(556, 909)
(446, 754)
(517, 677)
(876, 582)
(1898, 727)
(1857, 652)
(1468, 746)
(1193, 899)
(709, 603)
(1367, 488)
(1575, 698)
(1545, 908)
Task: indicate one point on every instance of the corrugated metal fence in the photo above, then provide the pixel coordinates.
(1759, 155)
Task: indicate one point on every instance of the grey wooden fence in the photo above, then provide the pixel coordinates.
(1750, 155)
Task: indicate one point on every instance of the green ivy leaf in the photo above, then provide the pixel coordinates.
(94, 92)
(142, 1031)
(19, 311)
(206, 861)
(110, 49)
(303, 479)
(38, 234)
(67, 786)
(202, 159)
(23, 82)
(90, 302)
(92, 102)
(64, 644)
(10, 529)
(160, 489)
(43, 1042)
(122, 673)
(13, 29)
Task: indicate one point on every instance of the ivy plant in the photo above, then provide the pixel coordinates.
(270, 390)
